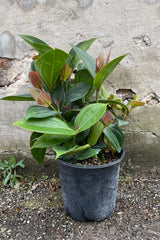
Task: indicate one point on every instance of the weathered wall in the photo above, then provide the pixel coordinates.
(126, 26)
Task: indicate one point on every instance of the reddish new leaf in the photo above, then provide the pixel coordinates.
(35, 57)
(34, 93)
(57, 102)
(35, 80)
(44, 99)
(99, 62)
(108, 57)
(65, 73)
(136, 104)
(106, 118)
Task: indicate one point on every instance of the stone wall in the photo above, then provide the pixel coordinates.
(126, 26)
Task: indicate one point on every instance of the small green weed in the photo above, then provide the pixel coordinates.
(8, 171)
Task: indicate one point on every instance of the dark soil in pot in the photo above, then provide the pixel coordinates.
(109, 157)
(89, 192)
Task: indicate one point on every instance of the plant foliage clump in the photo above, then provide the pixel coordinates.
(74, 115)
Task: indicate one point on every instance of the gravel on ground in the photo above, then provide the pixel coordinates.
(34, 211)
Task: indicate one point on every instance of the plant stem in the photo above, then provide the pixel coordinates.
(102, 157)
(53, 108)
(74, 139)
(81, 148)
(97, 95)
(56, 111)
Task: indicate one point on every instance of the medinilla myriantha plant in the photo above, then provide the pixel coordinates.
(74, 114)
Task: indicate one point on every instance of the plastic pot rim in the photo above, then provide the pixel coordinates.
(94, 166)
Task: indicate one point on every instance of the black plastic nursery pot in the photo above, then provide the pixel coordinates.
(89, 192)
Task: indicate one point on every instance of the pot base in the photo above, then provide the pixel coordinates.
(89, 192)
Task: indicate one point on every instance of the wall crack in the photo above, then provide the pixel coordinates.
(152, 99)
(142, 131)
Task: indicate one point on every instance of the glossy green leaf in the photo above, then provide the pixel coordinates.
(49, 66)
(121, 122)
(85, 76)
(82, 135)
(69, 149)
(83, 46)
(68, 115)
(48, 140)
(85, 154)
(37, 153)
(39, 112)
(88, 61)
(81, 66)
(104, 93)
(118, 133)
(72, 52)
(21, 97)
(95, 133)
(89, 115)
(77, 92)
(61, 150)
(36, 43)
(111, 102)
(50, 125)
(112, 139)
(33, 66)
(58, 95)
(106, 71)
(115, 136)
(80, 148)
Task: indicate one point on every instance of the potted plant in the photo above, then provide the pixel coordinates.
(81, 121)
